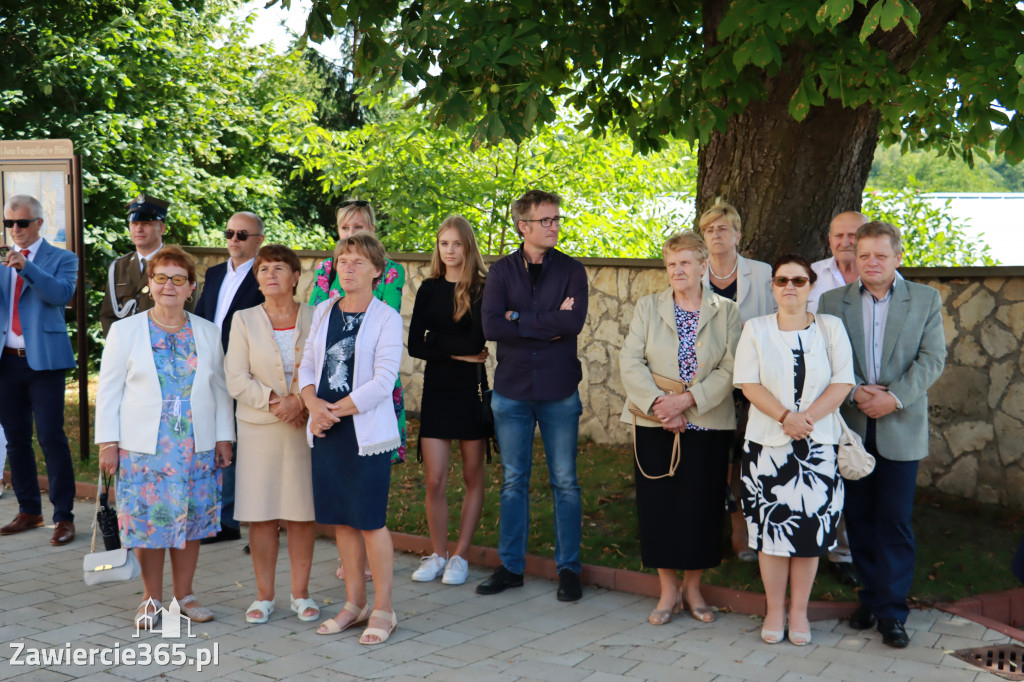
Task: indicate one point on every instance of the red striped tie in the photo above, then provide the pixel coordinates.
(16, 318)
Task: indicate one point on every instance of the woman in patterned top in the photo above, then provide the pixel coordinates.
(355, 215)
(165, 421)
(685, 334)
(795, 368)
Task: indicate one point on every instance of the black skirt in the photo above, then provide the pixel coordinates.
(681, 516)
(450, 406)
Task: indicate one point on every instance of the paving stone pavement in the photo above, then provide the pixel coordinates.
(444, 632)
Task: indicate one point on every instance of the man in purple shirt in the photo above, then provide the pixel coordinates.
(534, 306)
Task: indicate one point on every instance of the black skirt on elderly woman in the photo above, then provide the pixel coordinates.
(680, 516)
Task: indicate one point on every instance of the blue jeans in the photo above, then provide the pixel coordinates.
(559, 421)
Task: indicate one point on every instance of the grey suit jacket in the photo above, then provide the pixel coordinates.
(913, 356)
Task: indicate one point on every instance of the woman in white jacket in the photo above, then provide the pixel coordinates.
(346, 380)
(795, 369)
(165, 421)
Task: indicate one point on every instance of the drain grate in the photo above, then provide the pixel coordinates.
(1006, 660)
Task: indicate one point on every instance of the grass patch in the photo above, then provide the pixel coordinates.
(964, 547)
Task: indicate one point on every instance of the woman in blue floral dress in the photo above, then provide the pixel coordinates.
(164, 421)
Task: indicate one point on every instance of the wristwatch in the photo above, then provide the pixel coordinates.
(514, 317)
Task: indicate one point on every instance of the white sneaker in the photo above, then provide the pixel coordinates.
(456, 572)
(430, 567)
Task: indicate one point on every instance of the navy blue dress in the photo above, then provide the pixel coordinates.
(348, 489)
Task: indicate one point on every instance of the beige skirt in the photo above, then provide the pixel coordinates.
(273, 476)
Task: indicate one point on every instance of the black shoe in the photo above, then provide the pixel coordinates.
(569, 588)
(893, 633)
(247, 550)
(862, 618)
(846, 573)
(226, 533)
(500, 580)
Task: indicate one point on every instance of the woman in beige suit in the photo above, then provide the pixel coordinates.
(274, 468)
(686, 335)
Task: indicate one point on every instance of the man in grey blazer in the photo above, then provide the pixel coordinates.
(899, 351)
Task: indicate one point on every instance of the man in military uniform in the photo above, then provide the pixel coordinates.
(127, 286)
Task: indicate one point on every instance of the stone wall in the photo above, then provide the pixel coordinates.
(977, 406)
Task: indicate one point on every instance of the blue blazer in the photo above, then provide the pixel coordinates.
(247, 296)
(50, 279)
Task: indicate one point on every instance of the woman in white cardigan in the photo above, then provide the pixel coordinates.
(795, 369)
(164, 419)
(346, 380)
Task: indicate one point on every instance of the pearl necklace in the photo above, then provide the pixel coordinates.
(731, 273)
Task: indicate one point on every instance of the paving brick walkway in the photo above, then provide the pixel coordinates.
(444, 633)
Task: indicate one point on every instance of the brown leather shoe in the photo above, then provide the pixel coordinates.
(63, 533)
(22, 522)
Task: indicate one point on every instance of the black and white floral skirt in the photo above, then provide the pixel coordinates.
(792, 497)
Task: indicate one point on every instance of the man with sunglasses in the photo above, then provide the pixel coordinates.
(36, 282)
(899, 351)
(127, 285)
(534, 306)
(227, 288)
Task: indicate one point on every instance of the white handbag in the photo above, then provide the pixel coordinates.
(853, 459)
(114, 565)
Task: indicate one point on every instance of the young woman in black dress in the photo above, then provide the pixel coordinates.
(446, 331)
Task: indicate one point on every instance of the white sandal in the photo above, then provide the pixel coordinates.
(302, 604)
(263, 607)
(144, 620)
(380, 633)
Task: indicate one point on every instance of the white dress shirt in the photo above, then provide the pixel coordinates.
(17, 340)
(829, 277)
(228, 288)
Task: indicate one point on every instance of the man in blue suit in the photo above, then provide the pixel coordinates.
(36, 282)
(899, 351)
(227, 288)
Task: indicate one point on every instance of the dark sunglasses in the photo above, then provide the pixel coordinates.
(241, 234)
(797, 281)
(176, 280)
(358, 203)
(21, 222)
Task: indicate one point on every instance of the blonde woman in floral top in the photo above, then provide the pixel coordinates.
(354, 215)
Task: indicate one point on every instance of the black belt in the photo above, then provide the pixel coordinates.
(20, 352)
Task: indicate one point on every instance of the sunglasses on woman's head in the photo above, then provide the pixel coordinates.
(176, 280)
(797, 281)
(358, 203)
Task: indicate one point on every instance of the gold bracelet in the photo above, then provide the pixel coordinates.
(107, 446)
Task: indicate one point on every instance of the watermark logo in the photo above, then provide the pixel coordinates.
(166, 621)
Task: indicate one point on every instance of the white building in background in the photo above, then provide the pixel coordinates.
(988, 217)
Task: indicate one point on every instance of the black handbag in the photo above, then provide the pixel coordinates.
(483, 394)
(106, 519)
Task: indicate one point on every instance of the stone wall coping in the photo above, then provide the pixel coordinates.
(656, 263)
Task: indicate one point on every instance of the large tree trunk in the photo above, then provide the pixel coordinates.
(789, 178)
(786, 178)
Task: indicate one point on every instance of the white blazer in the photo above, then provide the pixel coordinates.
(128, 400)
(763, 357)
(753, 288)
(378, 353)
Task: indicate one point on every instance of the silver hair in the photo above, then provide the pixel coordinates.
(20, 201)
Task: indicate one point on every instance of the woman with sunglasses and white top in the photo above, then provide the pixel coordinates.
(795, 369)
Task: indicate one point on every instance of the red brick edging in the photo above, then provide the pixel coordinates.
(999, 611)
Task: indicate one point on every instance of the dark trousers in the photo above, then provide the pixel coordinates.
(878, 510)
(26, 393)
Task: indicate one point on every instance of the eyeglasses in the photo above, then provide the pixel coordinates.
(798, 282)
(241, 234)
(358, 203)
(20, 222)
(547, 222)
(176, 280)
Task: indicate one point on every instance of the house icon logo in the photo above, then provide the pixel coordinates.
(165, 621)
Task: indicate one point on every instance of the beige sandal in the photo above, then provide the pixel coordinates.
(332, 627)
(380, 633)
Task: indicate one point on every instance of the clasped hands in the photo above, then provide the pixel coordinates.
(323, 415)
(798, 425)
(669, 410)
(288, 409)
(874, 400)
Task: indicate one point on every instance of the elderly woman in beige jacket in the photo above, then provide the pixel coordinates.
(274, 469)
(685, 334)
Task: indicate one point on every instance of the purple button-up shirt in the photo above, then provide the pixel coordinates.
(537, 357)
